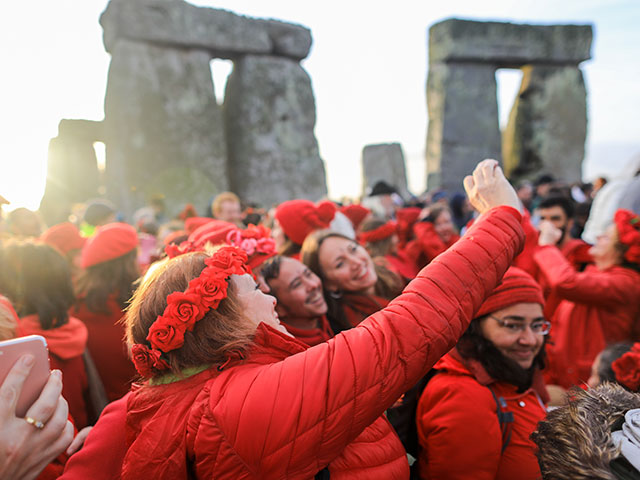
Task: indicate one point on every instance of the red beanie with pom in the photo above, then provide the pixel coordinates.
(517, 286)
(110, 241)
(64, 236)
(356, 213)
(298, 218)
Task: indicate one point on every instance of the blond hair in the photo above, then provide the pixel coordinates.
(216, 205)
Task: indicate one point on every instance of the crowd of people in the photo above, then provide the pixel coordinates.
(451, 336)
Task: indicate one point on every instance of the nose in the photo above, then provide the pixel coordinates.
(527, 337)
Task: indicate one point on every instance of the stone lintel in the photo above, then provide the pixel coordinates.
(224, 34)
(508, 44)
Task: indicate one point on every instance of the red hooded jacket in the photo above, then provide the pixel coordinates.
(458, 427)
(591, 310)
(288, 411)
(107, 346)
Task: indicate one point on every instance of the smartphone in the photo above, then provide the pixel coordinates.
(10, 352)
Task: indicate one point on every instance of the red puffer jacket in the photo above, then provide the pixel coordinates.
(459, 431)
(288, 411)
(591, 310)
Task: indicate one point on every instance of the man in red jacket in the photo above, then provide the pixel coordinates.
(301, 305)
(559, 211)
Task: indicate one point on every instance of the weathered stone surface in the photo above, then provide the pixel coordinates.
(222, 33)
(507, 44)
(463, 121)
(384, 162)
(72, 169)
(270, 116)
(164, 129)
(548, 124)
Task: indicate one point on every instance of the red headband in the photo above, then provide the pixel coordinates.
(184, 309)
(628, 225)
(627, 368)
(380, 233)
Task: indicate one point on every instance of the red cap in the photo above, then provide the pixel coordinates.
(298, 218)
(517, 286)
(64, 237)
(356, 213)
(191, 224)
(110, 241)
(214, 232)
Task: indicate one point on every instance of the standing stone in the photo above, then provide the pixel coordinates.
(164, 129)
(384, 162)
(548, 124)
(463, 121)
(72, 169)
(270, 115)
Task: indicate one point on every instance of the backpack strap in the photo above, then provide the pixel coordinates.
(505, 419)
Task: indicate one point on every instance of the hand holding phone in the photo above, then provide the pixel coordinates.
(32, 447)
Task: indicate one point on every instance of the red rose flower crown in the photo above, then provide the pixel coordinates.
(184, 309)
(627, 368)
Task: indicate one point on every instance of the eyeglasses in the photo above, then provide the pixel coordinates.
(539, 327)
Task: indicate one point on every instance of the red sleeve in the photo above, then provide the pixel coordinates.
(525, 260)
(458, 430)
(590, 287)
(430, 243)
(319, 400)
(104, 449)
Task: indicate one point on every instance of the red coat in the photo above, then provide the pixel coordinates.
(590, 309)
(288, 411)
(427, 244)
(107, 347)
(66, 345)
(402, 265)
(100, 458)
(459, 431)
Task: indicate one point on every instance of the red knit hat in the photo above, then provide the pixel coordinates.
(356, 213)
(191, 224)
(298, 218)
(214, 231)
(110, 241)
(64, 237)
(517, 286)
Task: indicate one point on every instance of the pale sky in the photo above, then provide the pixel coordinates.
(368, 66)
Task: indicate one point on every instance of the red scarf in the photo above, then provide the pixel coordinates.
(312, 336)
(357, 306)
(66, 341)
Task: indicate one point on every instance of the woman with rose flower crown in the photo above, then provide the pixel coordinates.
(594, 308)
(228, 393)
(618, 363)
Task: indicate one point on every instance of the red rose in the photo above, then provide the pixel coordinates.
(164, 336)
(172, 250)
(229, 259)
(266, 246)
(184, 308)
(145, 360)
(210, 288)
(627, 370)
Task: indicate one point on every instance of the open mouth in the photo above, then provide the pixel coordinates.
(315, 298)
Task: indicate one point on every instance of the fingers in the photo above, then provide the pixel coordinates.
(468, 184)
(78, 441)
(12, 385)
(48, 401)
